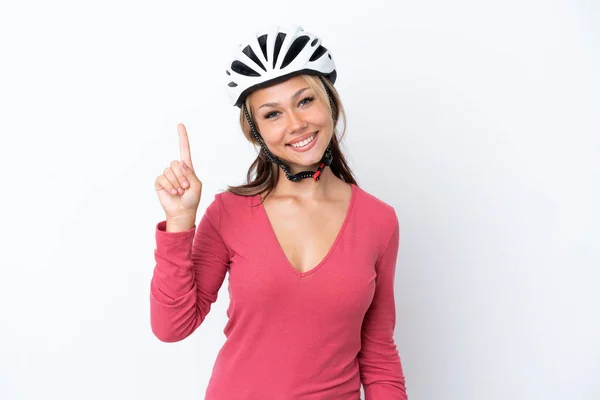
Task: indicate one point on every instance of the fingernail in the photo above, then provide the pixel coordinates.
(184, 183)
(173, 191)
(180, 190)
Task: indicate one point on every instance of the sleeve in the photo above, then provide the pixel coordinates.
(188, 274)
(380, 367)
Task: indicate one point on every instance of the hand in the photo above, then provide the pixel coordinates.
(178, 188)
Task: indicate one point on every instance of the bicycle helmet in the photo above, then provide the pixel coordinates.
(274, 56)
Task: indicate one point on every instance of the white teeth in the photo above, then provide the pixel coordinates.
(304, 142)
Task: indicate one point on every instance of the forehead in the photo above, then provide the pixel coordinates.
(279, 92)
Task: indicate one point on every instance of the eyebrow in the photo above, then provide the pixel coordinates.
(294, 97)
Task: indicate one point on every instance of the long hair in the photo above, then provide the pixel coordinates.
(263, 175)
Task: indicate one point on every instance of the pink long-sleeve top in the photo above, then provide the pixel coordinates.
(289, 335)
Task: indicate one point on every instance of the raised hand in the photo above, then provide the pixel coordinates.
(178, 188)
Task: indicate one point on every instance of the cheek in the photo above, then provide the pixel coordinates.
(323, 115)
(326, 121)
(271, 132)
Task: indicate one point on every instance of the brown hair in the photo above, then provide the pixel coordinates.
(262, 174)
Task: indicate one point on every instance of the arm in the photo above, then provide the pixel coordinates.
(380, 368)
(188, 274)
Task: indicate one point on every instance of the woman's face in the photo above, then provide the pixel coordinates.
(294, 123)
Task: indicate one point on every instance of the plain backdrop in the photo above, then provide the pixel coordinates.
(479, 121)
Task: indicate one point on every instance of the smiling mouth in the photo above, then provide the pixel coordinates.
(303, 143)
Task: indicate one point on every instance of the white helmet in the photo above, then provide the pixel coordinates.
(273, 56)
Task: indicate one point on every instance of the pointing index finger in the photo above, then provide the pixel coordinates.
(184, 145)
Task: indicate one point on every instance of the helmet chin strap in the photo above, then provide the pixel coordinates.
(326, 160)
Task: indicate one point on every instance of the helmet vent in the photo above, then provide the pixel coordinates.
(232, 84)
(243, 69)
(250, 53)
(294, 50)
(262, 41)
(278, 43)
(318, 53)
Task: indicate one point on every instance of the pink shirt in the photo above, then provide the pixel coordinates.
(290, 335)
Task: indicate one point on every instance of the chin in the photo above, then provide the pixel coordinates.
(306, 160)
(306, 163)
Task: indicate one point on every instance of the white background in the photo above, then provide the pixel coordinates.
(478, 121)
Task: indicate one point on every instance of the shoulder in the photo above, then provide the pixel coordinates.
(228, 206)
(226, 201)
(376, 210)
(376, 222)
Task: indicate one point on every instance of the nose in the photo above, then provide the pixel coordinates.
(296, 122)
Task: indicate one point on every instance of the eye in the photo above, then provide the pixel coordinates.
(307, 100)
(271, 115)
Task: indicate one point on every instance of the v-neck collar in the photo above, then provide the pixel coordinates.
(289, 265)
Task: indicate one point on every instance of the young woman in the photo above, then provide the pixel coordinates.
(311, 256)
